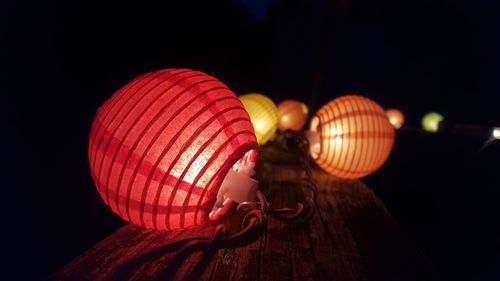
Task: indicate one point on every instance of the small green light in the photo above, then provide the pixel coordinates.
(431, 120)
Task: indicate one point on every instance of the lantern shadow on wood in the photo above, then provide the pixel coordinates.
(331, 184)
(351, 137)
(162, 145)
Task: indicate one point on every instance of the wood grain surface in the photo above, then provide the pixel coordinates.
(350, 237)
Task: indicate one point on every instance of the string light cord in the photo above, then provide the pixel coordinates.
(304, 211)
(253, 225)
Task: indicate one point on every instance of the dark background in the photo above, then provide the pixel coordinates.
(61, 59)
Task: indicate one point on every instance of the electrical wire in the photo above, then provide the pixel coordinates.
(304, 211)
(253, 225)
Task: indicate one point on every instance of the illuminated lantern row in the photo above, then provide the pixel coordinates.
(264, 115)
(162, 146)
(292, 115)
(351, 137)
(396, 117)
(431, 120)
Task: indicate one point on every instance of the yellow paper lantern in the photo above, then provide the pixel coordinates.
(351, 137)
(264, 115)
(396, 117)
(292, 115)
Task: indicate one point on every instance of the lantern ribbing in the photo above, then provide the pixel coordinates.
(356, 136)
(161, 146)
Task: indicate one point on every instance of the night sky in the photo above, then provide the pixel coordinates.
(61, 59)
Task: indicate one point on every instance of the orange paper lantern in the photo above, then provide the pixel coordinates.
(292, 115)
(161, 147)
(396, 117)
(352, 137)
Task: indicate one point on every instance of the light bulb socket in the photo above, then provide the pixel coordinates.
(239, 187)
(314, 143)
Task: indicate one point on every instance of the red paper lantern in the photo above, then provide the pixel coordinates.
(351, 137)
(161, 147)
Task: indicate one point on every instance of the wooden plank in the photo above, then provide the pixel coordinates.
(350, 237)
(275, 252)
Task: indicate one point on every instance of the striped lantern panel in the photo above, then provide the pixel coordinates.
(264, 115)
(356, 137)
(292, 115)
(161, 146)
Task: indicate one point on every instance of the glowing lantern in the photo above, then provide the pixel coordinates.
(430, 121)
(292, 115)
(495, 133)
(264, 115)
(350, 137)
(396, 118)
(166, 149)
